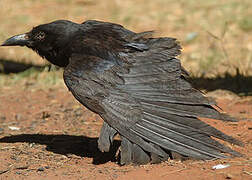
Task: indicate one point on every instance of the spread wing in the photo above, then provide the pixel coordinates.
(144, 96)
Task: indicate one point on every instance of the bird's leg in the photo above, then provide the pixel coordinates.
(139, 156)
(155, 159)
(132, 153)
(106, 137)
(126, 151)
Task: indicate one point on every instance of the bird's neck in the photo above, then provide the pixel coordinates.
(60, 59)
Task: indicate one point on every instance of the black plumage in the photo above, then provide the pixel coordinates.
(136, 84)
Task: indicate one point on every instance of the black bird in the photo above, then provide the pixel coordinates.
(136, 84)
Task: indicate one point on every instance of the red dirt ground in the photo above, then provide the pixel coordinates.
(47, 134)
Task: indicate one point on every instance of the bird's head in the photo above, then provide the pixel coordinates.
(50, 40)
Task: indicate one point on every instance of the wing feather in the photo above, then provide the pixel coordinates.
(143, 95)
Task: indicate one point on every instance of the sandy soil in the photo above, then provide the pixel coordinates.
(47, 134)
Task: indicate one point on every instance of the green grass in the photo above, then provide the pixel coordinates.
(246, 24)
(33, 78)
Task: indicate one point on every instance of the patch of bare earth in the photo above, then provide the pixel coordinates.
(46, 134)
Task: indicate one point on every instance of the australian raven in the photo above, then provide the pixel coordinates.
(136, 84)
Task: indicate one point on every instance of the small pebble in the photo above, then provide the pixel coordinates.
(220, 166)
(18, 117)
(31, 145)
(191, 36)
(229, 176)
(41, 169)
(45, 115)
(2, 118)
(22, 167)
(1, 130)
(13, 128)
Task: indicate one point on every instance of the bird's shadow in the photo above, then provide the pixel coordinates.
(9, 66)
(67, 144)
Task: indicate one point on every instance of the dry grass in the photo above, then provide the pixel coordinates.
(216, 35)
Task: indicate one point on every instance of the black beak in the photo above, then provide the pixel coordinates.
(18, 40)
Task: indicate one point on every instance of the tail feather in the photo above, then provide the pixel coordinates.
(174, 145)
(190, 136)
(188, 123)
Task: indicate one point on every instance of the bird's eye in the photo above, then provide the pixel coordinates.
(40, 36)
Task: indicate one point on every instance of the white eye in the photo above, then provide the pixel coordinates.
(40, 36)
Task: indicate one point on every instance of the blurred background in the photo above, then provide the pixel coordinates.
(216, 35)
